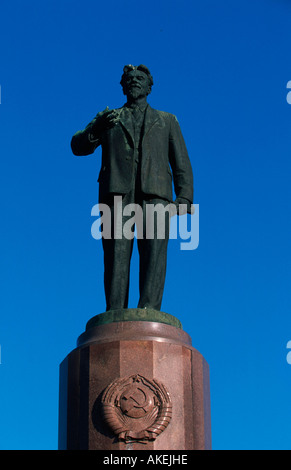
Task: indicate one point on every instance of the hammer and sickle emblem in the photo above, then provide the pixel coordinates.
(136, 402)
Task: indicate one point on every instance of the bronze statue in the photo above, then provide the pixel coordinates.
(143, 151)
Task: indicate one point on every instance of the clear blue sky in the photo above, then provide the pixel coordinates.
(222, 69)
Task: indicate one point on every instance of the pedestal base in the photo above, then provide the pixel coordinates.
(134, 385)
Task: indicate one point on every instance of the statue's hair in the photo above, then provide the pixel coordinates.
(142, 68)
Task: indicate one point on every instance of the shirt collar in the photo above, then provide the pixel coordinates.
(141, 107)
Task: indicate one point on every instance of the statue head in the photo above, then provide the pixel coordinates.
(136, 81)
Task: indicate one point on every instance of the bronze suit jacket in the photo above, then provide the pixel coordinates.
(164, 157)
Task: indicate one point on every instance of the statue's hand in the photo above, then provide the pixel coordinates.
(183, 206)
(105, 120)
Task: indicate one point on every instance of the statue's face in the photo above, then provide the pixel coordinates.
(136, 84)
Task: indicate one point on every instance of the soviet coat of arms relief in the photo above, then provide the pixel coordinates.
(136, 409)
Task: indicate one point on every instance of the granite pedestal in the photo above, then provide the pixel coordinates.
(134, 382)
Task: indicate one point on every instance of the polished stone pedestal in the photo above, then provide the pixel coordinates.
(134, 385)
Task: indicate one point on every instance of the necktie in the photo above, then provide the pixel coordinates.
(136, 113)
(137, 124)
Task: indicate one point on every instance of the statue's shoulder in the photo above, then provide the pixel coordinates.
(164, 114)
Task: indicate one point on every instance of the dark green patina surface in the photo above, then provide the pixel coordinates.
(133, 314)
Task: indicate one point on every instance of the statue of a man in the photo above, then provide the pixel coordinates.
(143, 151)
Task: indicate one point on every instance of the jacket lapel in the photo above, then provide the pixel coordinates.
(151, 117)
